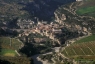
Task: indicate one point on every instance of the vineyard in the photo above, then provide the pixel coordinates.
(85, 50)
(10, 43)
(8, 46)
(86, 39)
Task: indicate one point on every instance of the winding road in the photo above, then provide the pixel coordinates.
(37, 60)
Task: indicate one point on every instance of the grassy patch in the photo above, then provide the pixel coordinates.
(87, 39)
(86, 10)
(8, 52)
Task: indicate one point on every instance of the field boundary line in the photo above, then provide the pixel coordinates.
(66, 52)
(17, 53)
(82, 50)
(90, 49)
(74, 51)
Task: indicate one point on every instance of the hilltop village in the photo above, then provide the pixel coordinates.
(58, 31)
(48, 32)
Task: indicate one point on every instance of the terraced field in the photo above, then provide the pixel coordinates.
(81, 49)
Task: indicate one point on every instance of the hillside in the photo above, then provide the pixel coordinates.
(45, 24)
(86, 39)
(29, 9)
(80, 16)
(81, 53)
(86, 51)
(74, 20)
(10, 9)
(87, 8)
(8, 54)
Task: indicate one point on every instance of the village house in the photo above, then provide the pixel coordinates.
(39, 40)
(56, 30)
(25, 23)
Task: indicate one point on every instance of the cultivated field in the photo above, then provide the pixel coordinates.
(8, 52)
(86, 39)
(9, 43)
(8, 46)
(88, 8)
(86, 50)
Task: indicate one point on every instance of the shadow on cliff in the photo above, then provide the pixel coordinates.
(44, 9)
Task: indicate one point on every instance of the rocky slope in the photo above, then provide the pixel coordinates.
(66, 15)
(29, 9)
